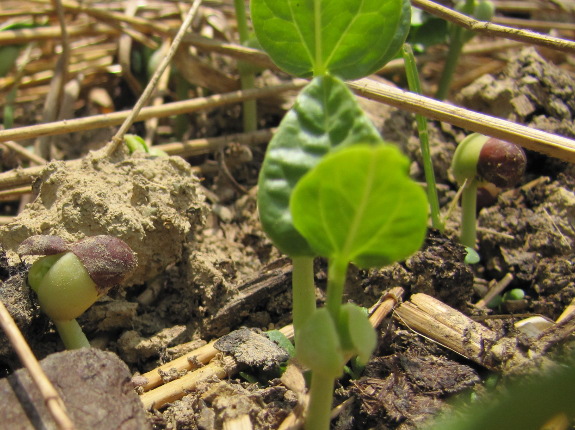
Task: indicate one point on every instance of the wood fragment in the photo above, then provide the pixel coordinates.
(459, 333)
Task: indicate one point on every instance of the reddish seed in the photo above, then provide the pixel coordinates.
(43, 245)
(107, 259)
(502, 163)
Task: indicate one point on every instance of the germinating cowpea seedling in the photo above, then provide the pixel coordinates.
(328, 184)
(72, 276)
(481, 158)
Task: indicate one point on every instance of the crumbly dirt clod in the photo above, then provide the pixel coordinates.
(252, 349)
(18, 299)
(530, 90)
(530, 234)
(94, 385)
(153, 204)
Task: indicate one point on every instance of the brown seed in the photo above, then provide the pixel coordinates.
(502, 163)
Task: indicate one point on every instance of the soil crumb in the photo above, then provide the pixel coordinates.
(153, 204)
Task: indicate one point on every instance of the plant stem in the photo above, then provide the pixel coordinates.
(71, 334)
(468, 214)
(337, 271)
(250, 109)
(321, 398)
(456, 40)
(246, 75)
(455, 48)
(415, 87)
(303, 291)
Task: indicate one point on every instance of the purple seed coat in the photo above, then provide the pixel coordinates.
(501, 163)
(107, 259)
(43, 245)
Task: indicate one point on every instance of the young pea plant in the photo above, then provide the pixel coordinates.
(357, 205)
(70, 277)
(481, 158)
(326, 40)
(329, 186)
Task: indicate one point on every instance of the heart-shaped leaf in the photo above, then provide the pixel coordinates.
(346, 38)
(359, 205)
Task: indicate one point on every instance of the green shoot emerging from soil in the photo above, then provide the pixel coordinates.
(480, 158)
(415, 87)
(329, 186)
(72, 276)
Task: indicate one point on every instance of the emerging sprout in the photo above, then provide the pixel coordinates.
(72, 276)
(479, 159)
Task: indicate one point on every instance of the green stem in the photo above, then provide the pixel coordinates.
(336, 275)
(182, 122)
(250, 107)
(242, 21)
(456, 42)
(455, 49)
(321, 398)
(303, 291)
(468, 214)
(415, 87)
(71, 334)
(250, 118)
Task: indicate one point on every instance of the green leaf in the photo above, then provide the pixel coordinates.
(346, 38)
(356, 332)
(359, 205)
(325, 115)
(282, 341)
(318, 346)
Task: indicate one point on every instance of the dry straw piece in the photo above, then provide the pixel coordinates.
(205, 363)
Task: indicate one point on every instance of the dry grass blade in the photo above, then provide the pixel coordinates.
(175, 108)
(494, 29)
(530, 138)
(25, 35)
(19, 177)
(116, 141)
(51, 397)
(173, 390)
(202, 365)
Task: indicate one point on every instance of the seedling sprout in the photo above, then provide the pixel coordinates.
(329, 186)
(481, 158)
(70, 277)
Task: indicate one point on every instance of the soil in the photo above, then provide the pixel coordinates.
(206, 269)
